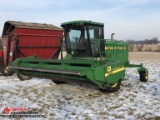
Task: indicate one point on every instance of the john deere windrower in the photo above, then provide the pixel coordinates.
(89, 58)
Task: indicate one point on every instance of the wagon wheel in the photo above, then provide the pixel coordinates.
(113, 88)
(8, 73)
(23, 77)
(143, 76)
(2, 67)
(4, 71)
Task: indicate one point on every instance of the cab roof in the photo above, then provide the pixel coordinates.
(82, 22)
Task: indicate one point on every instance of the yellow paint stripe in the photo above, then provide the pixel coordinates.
(115, 71)
(115, 48)
(108, 48)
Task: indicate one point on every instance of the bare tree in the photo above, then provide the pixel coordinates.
(151, 41)
(131, 44)
(155, 40)
(139, 47)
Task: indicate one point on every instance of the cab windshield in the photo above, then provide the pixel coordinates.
(83, 40)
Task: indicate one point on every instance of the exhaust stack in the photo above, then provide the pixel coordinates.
(112, 36)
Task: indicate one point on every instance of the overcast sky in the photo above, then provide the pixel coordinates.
(128, 19)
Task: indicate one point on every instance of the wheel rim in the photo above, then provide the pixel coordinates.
(114, 85)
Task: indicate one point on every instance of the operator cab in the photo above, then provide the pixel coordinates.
(82, 38)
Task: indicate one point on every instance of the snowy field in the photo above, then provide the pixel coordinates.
(134, 101)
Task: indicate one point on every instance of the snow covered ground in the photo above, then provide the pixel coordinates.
(134, 101)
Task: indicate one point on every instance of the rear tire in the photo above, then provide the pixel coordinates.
(113, 88)
(23, 77)
(143, 76)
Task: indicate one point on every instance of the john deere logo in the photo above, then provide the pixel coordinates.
(109, 68)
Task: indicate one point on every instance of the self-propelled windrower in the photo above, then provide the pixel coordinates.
(89, 58)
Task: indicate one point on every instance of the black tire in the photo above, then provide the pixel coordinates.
(8, 73)
(59, 82)
(4, 71)
(113, 88)
(23, 77)
(143, 76)
(2, 67)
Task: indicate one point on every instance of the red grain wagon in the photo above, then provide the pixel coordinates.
(21, 39)
(1, 52)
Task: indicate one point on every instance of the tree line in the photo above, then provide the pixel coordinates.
(140, 44)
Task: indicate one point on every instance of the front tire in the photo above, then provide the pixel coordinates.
(114, 88)
(143, 76)
(23, 77)
(59, 82)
